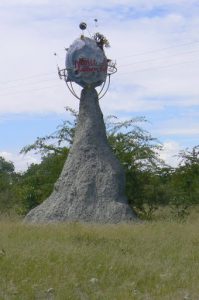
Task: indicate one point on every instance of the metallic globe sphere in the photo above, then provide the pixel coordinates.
(82, 25)
(86, 63)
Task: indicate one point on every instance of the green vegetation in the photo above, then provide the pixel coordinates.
(153, 260)
(150, 183)
(7, 178)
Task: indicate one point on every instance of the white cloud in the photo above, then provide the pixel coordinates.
(11, 3)
(152, 80)
(21, 162)
(28, 50)
(181, 131)
(185, 125)
(170, 153)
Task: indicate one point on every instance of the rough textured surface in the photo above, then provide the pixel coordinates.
(86, 63)
(91, 185)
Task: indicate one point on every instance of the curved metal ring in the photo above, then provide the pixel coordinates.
(105, 86)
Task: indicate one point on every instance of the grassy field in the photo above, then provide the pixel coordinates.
(158, 260)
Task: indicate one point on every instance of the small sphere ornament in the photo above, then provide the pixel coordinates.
(82, 25)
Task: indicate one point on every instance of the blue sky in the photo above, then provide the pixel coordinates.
(155, 44)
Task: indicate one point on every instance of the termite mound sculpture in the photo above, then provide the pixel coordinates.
(91, 187)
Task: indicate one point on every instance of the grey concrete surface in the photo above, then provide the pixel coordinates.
(91, 187)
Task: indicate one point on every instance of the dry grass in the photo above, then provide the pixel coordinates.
(157, 260)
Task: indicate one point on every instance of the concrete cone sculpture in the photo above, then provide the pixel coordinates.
(91, 187)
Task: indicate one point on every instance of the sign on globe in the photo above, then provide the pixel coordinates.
(86, 63)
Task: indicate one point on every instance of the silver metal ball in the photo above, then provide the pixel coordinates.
(82, 25)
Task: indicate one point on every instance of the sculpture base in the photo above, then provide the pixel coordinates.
(91, 187)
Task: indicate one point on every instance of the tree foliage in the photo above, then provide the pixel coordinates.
(7, 178)
(150, 183)
(184, 184)
(55, 142)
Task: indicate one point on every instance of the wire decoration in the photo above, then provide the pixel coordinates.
(111, 69)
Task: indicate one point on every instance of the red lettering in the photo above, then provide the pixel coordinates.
(89, 65)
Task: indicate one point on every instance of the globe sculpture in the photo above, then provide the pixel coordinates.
(91, 186)
(87, 65)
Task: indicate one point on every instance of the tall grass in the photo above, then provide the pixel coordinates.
(158, 260)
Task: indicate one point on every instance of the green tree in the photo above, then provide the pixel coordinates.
(36, 184)
(138, 152)
(7, 178)
(6, 171)
(55, 142)
(184, 183)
